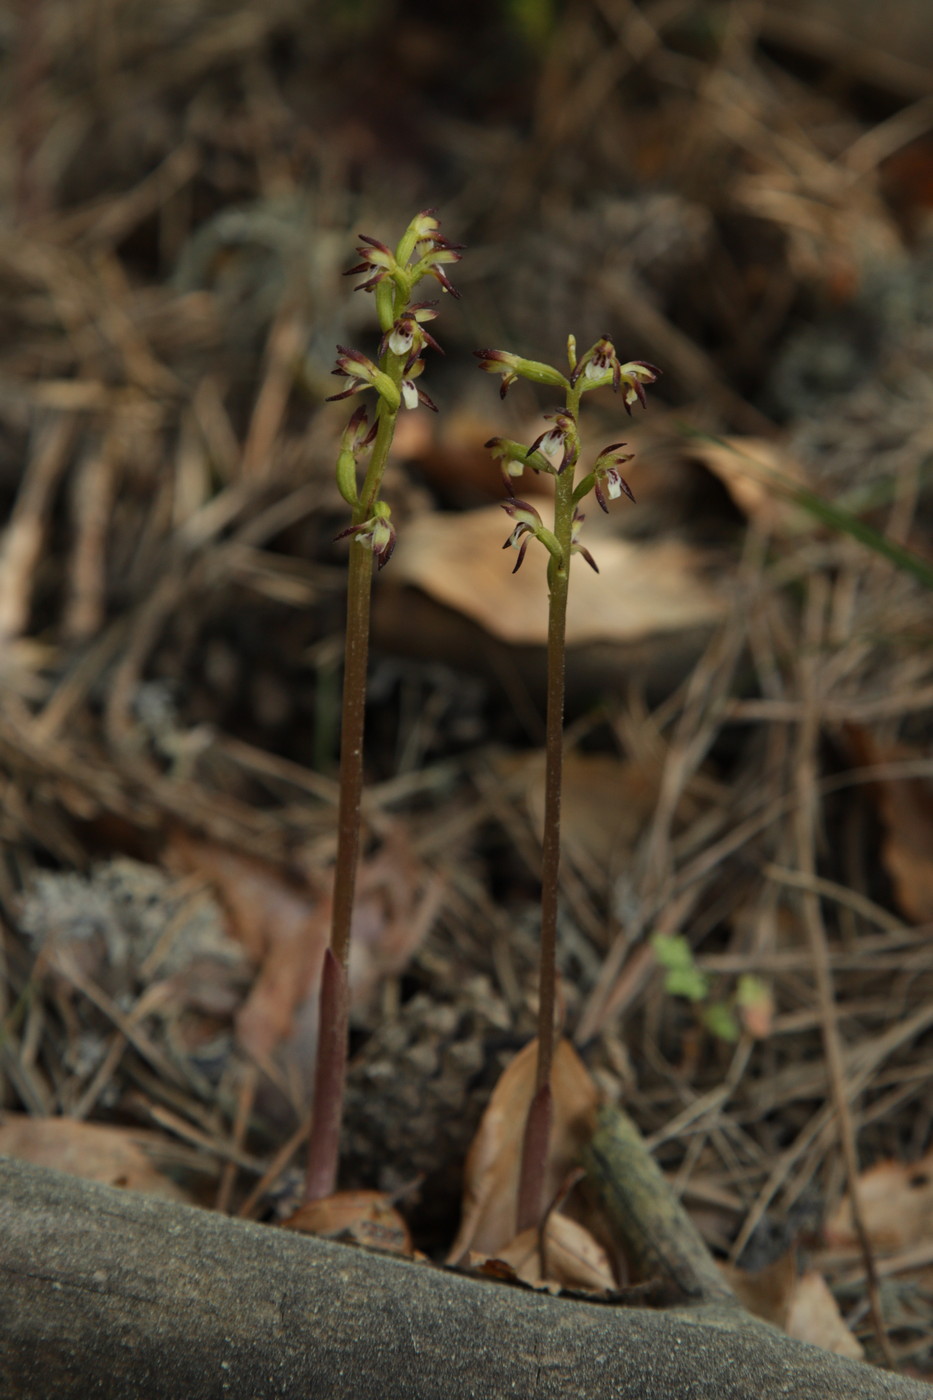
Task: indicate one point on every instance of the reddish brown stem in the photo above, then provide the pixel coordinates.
(330, 1070)
(535, 1145)
(531, 1202)
(352, 724)
(329, 1078)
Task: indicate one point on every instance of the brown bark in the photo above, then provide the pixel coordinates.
(106, 1293)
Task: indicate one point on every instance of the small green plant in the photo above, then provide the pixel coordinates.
(394, 377)
(749, 1006)
(557, 452)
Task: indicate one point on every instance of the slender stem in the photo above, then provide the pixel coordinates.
(353, 712)
(352, 722)
(331, 1067)
(554, 758)
(537, 1128)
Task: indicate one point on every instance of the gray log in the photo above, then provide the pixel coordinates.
(106, 1293)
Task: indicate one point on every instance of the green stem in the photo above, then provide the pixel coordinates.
(331, 1067)
(534, 1147)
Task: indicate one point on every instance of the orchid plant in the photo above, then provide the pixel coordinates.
(392, 277)
(557, 452)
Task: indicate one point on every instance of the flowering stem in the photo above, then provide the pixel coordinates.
(599, 367)
(331, 1067)
(537, 1129)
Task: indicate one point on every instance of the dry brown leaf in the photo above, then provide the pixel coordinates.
(768, 1292)
(490, 1195)
(368, 1217)
(90, 1150)
(906, 806)
(802, 1306)
(606, 804)
(896, 1202)
(283, 928)
(394, 910)
(573, 1258)
(754, 471)
(641, 589)
(813, 1316)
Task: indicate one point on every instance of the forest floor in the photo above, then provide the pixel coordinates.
(740, 194)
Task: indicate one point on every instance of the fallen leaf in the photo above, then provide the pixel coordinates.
(490, 1197)
(572, 1257)
(641, 589)
(90, 1150)
(395, 908)
(906, 807)
(896, 1202)
(606, 804)
(759, 477)
(283, 927)
(367, 1217)
(767, 1293)
(813, 1316)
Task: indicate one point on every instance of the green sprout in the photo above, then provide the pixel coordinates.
(750, 1005)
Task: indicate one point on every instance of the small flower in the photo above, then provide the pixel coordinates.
(601, 366)
(562, 437)
(407, 336)
(499, 362)
(575, 546)
(377, 533)
(433, 254)
(357, 435)
(411, 394)
(377, 259)
(511, 456)
(428, 251)
(635, 374)
(513, 367)
(363, 374)
(598, 362)
(607, 475)
(527, 524)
